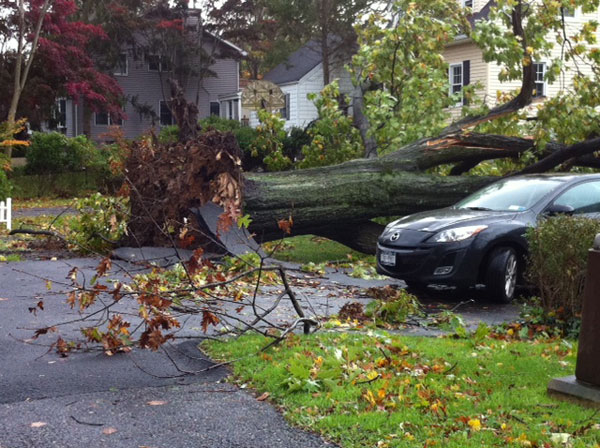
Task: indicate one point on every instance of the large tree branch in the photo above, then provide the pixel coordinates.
(35, 43)
(556, 158)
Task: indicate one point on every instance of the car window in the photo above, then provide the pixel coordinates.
(584, 198)
(510, 195)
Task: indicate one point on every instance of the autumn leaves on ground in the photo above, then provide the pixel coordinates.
(380, 389)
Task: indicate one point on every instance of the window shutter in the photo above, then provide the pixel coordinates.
(466, 77)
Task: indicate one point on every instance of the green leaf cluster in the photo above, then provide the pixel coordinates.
(268, 144)
(101, 219)
(334, 138)
(405, 68)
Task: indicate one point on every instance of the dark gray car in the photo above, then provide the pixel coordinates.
(481, 240)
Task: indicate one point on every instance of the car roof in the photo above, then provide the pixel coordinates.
(561, 177)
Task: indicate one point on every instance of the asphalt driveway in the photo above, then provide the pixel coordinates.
(139, 399)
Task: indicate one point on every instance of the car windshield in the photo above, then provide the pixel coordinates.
(510, 195)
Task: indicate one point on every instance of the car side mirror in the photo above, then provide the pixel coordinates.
(558, 209)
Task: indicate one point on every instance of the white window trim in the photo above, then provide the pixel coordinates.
(126, 66)
(452, 84)
(545, 92)
(172, 117)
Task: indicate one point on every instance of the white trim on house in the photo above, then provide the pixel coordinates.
(226, 42)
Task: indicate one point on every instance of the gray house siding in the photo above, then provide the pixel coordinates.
(151, 87)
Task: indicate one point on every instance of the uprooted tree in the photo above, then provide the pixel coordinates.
(340, 201)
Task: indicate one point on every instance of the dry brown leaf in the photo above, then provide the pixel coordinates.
(38, 424)
(263, 397)
(156, 403)
(109, 431)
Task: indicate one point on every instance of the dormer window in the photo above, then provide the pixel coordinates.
(467, 3)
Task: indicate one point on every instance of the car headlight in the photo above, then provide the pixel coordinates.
(457, 234)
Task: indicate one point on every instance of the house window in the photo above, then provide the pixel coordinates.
(158, 63)
(460, 77)
(122, 67)
(467, 3)
(540, 82)
(105, 119)
(215, 108)
(456, 80)
(285, 110)
(568, 12)
(166, 117)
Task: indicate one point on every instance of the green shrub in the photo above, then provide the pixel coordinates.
(219, 123)
(101, 219)
(245, 136)
(55, 153)
(334, 138)
(295, 141)
(558, 262)
(169, 135)
(268, 144)
(5, 184)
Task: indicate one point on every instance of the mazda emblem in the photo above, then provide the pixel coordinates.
(395, 236)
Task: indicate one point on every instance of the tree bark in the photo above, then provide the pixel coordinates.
(361, 122)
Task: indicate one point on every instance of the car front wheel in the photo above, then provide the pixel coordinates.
(502, 274)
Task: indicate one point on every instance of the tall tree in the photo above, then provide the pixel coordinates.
(49, 42)
(251, 25)
(402, 71)
(329, 22)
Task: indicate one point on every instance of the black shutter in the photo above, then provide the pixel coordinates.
(466, 77)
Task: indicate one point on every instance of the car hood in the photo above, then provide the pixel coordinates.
(436, 220)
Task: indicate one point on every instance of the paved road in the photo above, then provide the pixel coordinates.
(78, 397)
(36, 386)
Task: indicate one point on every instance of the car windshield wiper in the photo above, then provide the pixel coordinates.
(479, 209)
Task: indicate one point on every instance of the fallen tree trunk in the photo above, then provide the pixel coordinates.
(339, 202)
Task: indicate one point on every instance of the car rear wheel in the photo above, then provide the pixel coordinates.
(502, 274)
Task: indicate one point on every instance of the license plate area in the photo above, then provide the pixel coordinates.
(387, 258)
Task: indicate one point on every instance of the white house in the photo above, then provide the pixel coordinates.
(299, 75)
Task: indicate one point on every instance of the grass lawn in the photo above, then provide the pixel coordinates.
(315, 249)
(382, 390)
(20, 204)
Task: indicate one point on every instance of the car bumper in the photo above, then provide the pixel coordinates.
(443, 264)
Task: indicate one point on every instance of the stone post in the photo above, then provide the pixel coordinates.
(585, 385)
